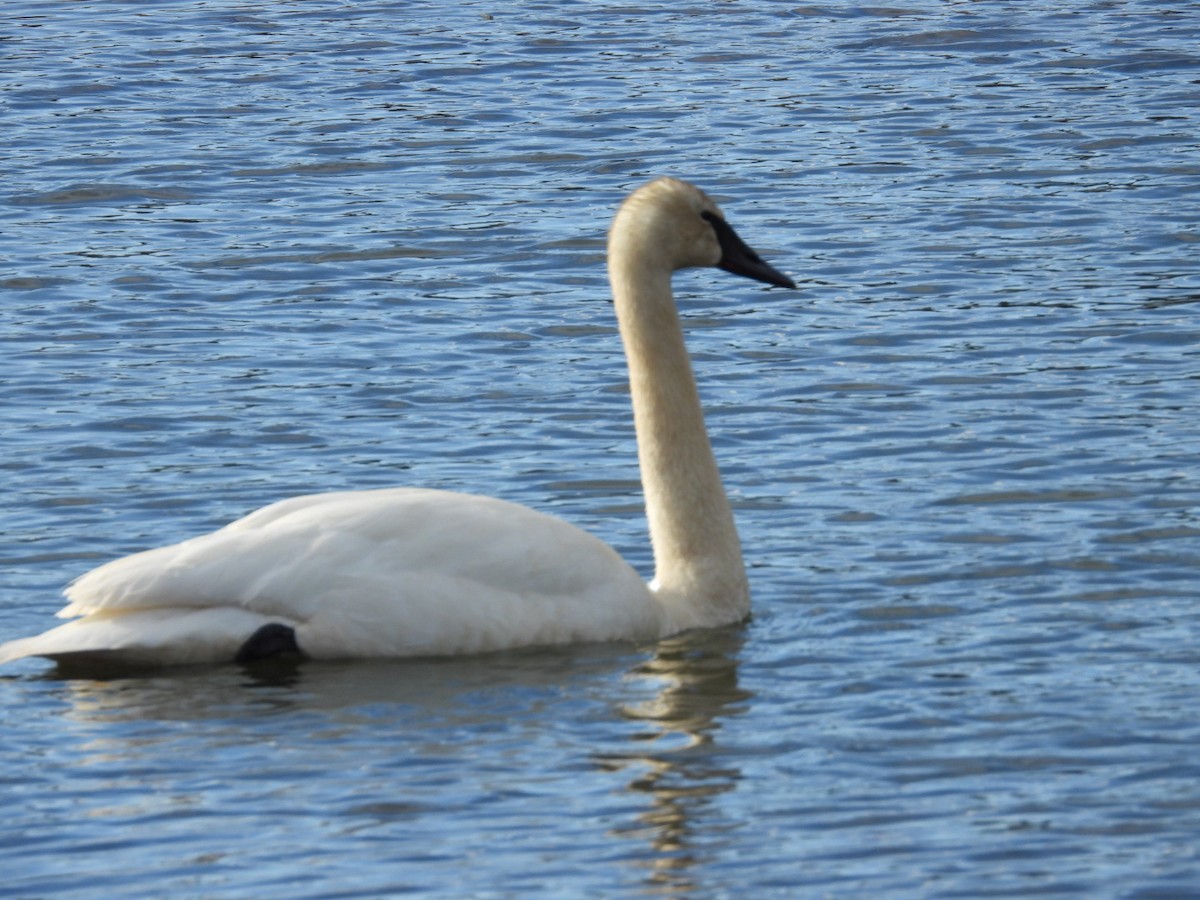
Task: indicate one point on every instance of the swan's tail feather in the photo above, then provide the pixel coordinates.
(142, 638)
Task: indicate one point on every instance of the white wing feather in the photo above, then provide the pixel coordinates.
(395, 572)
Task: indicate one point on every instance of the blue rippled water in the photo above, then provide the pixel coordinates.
(255, 250)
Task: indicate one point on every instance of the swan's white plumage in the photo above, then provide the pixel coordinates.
(405, 572)
(370, 573)
(145, 637)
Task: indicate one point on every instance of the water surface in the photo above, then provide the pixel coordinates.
(253, 251)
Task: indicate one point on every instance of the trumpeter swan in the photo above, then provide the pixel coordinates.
(406, 572)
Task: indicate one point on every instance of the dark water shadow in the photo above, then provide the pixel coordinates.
(433, 686)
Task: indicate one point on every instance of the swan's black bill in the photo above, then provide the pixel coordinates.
(739, 259)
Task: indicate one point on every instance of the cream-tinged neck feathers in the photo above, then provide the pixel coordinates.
(664, 226)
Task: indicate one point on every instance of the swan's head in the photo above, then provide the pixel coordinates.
(670, 224)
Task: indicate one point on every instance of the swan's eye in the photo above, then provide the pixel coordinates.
(726, 236)
(719, 225)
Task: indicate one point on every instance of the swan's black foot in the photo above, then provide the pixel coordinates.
(270, 640)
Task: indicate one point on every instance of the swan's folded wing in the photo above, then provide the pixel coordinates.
(390, 573)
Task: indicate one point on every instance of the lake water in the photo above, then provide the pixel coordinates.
(254, 250)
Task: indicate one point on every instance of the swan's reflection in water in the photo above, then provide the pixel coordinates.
(679, 764)
(486, 745)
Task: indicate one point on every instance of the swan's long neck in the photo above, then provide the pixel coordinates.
(699, 575)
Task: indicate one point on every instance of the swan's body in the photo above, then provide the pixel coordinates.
(408, 572)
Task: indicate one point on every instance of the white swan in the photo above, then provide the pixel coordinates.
(407, 572)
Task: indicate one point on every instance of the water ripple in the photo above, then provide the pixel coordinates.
(254, 252)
